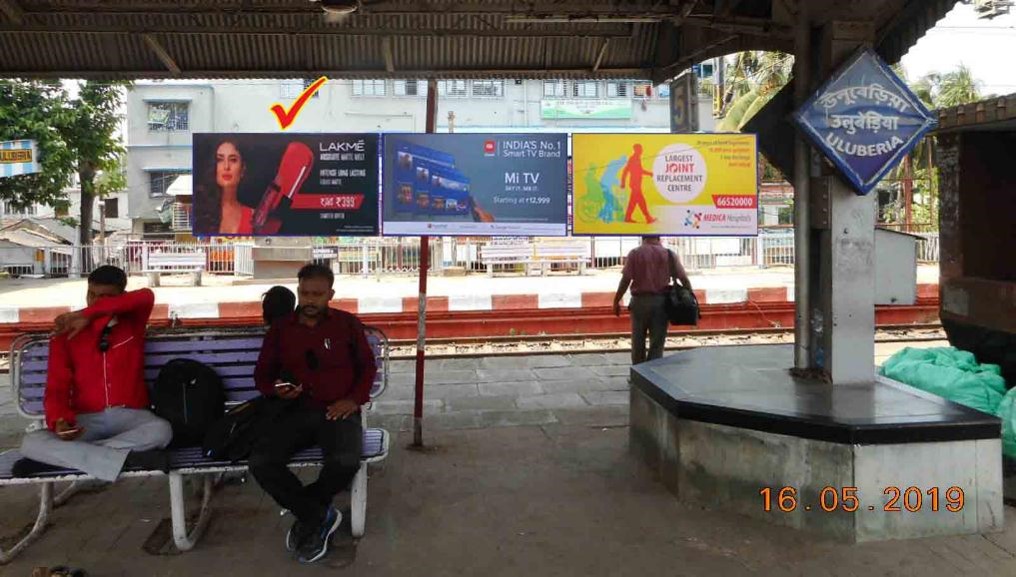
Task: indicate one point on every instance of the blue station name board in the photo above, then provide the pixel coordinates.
(864, 119)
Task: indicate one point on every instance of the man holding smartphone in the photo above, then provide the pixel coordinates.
(319, 359)
(96, 402)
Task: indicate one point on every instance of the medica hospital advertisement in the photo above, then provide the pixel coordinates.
(475, 185)
(666, 184)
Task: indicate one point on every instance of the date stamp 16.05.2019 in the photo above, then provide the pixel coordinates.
(845, 499)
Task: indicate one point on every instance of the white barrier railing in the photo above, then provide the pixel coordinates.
(385, 256)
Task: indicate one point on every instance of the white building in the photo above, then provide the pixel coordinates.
(161, 117)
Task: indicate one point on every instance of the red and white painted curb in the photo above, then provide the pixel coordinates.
(455, 303)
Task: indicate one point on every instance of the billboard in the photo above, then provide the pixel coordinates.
(285, 184)
(667, 184)
(475, 184)
(18, 157)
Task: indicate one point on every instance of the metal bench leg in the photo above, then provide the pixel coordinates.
(153, 279)
(358, 505)
(186, 541)
(45, 506)
(65, 495)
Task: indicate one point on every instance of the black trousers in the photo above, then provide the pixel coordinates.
(304, 426)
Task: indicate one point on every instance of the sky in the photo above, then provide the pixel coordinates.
(985, 46)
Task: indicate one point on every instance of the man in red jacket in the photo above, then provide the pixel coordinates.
(319, 359)
(96, 402)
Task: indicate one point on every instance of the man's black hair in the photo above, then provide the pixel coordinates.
(316, 271)
(276, 303)
(109, 275)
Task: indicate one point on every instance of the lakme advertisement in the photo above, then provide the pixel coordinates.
(475, 184)
(667, 184)
(285, 184)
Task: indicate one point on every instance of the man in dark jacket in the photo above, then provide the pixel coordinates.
(96, 402)
(320, 360)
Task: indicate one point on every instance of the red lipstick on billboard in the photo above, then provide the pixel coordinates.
(294, 168)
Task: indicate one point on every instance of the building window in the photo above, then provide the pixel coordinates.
(488, 88)
(368, 88)
(292, 89)
(617, 90)
(585, 89)
(112, 207)
(161, 179)
(168, 116)
(452, 88)
(642, 90)
(553, 88)
(409, 87)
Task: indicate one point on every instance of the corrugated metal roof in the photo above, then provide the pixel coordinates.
(400, 38)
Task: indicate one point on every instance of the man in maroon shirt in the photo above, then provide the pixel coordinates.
(320, 360)
(648, 270)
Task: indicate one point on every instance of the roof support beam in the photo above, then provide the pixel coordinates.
(386, 49)
(161, 54)
(619, 31)
(601, 54)
(13, 12)
(484, 74)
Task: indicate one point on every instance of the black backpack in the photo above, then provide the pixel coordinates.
(189, 395)
(233, 437)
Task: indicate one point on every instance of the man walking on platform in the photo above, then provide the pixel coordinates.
(648, 271)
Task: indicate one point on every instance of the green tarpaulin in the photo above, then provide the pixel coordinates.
(956, 375)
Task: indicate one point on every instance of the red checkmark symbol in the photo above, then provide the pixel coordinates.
(287, 117)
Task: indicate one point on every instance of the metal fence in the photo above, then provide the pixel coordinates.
(387, 256)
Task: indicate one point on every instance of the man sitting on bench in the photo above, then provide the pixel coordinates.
(96, 402)
(319, 359)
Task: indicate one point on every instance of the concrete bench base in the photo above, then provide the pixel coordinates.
(721, 424)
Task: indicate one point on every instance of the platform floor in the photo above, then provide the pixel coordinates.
(522, 477)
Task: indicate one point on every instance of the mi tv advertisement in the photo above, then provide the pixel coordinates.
(475, 184)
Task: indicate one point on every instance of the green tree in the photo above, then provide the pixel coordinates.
(91, 134)
(37, 111)
(754, 79)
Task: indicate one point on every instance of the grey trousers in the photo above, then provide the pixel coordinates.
(647, 316)
(102, 448)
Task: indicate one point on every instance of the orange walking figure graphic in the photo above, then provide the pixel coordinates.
(632, 175)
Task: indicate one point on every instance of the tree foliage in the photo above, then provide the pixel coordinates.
(74, 135)
(37, 111)
(98, 150)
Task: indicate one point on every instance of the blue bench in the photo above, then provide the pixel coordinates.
(233, 354)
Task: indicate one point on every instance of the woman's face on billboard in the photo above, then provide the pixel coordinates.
(228, 165)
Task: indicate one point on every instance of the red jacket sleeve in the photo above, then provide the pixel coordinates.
(134, 307)
(59, 378)
(366, 365)
(269, 361)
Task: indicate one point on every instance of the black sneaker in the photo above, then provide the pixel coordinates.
(316, 545)
(297, 535)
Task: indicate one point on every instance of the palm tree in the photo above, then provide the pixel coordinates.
(956, 88)
(754, 79)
